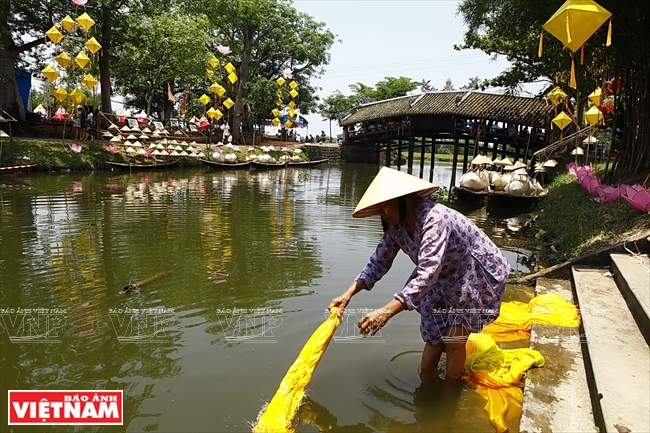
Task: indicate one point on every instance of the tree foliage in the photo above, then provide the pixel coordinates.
(389, 87)
(512, 28)
(165, 48)
(266, 37)
(335, 106)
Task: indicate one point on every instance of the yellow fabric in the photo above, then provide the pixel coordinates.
(516, 318)
(498, 375)
(283, 406)
(562, 120)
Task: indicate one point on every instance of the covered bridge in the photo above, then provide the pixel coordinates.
(473, 122)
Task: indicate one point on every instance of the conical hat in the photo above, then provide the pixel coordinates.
(389, 184)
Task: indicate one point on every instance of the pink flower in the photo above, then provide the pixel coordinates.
(147, 153)
(111, 149)
(235, 148)
(223, 50)
(76, 148)
(80, 2)
(287, 73)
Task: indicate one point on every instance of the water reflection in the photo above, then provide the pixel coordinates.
(244, 257)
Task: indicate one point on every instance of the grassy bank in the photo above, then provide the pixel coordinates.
(56, 155)
(441, 157)
(572, 223)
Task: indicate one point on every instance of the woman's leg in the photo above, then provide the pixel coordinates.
(455, 340)
(430, 358)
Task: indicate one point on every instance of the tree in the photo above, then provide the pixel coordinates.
(512, 28)
(389, 87)
(266, 37)
(335, 106)
(166, 48)
(22, 28)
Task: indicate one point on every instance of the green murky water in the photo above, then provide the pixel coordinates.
(246, 263)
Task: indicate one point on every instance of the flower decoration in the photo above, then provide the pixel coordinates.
(111, 149)
(223, 50)
(76, 148)
(287, 73)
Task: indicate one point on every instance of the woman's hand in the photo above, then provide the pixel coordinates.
(342, 301)
(339, 302)
(373, 321)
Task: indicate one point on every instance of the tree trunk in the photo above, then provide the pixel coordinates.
(10, 100)
(235, 129)
(104, 62)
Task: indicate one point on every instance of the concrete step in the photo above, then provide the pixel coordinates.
(632, 276)
(617, 357)
(556, 396)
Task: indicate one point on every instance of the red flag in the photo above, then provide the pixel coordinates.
(170, 95)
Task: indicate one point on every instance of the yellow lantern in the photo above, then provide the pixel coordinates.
(214, 87)
(594, 96)
(221, 91)
(278, 102)
(230, 68)
(214, 62)
(562, 120)
(92, 45)
(594, 116)
(293, 93)
(275, 121)
(232, 78)
(293, 84)
(60, 94)
(280, 81)
(89, 81)
(228, 103)
(81, 59)
(50, 73)
(209, 73)
(212, 113)
(67, 23)
(573, 23)
(63, 59)
(54, 35)
(291, 104)
(218, 114)
(204, 99)
(76, 95)
(275, 112)
(556, 96)
(288, 124)
(291, 113)
(85, 21)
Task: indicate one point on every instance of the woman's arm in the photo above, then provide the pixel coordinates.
(377, 319)
(342, 301)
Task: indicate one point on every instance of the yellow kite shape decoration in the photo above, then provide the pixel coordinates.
(60, 94)
(562, 120)
(63, 59)
(204, 99)
(54, 35)
(50, 73)
(594, 96)
(92, 45)
(89, 81)
(228, 103)
(280, 412)
(82, 59)
(556, 96)
(594, 116)
(85, 21)
(573, 23)
(68, 23)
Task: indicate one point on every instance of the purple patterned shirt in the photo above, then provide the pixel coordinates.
(457, 265)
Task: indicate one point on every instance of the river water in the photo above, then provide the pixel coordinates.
(275, 246)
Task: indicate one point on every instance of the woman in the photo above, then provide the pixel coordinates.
(459, 278)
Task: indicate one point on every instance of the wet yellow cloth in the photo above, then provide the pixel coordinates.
(498, 375)
(516, 318)
(283, 406)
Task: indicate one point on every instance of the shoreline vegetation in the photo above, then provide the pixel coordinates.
(571, 223)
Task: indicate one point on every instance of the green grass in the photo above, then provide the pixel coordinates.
(442, 157)
(573, 224)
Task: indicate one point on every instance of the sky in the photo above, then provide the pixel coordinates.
(394, 38)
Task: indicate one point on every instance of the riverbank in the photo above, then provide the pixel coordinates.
(572, 224)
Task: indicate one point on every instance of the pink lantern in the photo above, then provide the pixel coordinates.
(638, 197)
(607, 194)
